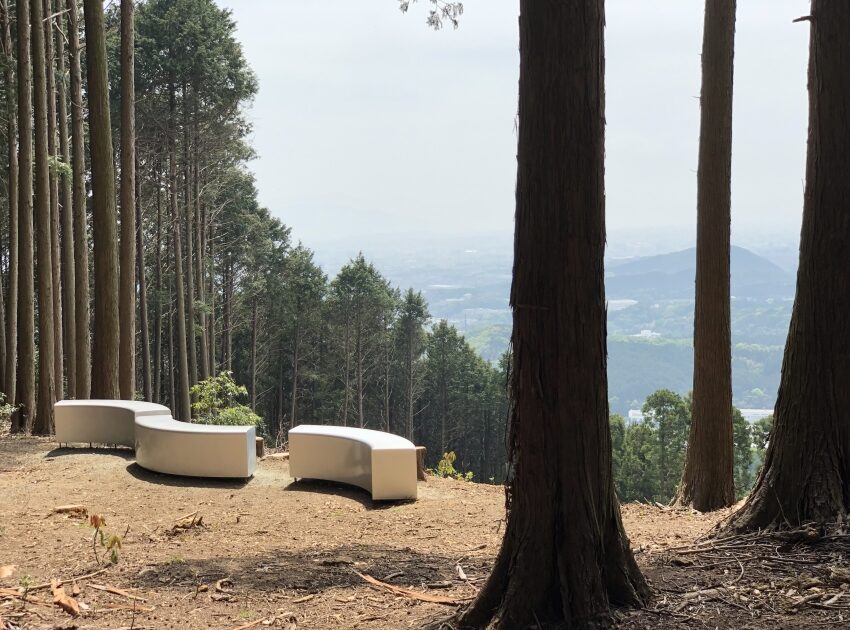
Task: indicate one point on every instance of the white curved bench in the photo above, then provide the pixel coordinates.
(162, 443)
(382, 463)
(166, 445)
(101, 421)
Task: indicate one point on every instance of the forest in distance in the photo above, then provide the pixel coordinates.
(221, 286)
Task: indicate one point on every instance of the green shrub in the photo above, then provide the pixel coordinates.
(216, 402)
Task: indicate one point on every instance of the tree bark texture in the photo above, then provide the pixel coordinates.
(69, 323)
(55, 256)
(26, 293)
(707, 481)
(82, 315)
(806, 474)
(104, 217)
(43, 420)
(127, 297)
(10, 368)
(565, 558)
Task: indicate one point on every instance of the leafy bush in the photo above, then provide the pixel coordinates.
(446, 468)
(217, 402)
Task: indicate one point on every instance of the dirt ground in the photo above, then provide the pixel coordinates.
(276, 553)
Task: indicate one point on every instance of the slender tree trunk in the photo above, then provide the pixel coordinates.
(190, 254)
(211, 237)
(565, 558)
(106, 323)
(254, 324)
(295, 350)
(147, 385)
(358, 348)
(55, 256)
(69, 319)
(10, 366)
(82, 313)
(183, 405)
(127, 299)
(157, 314)
(347, 375)
(227, 332)
(200, 253)
(410, 333)
(806, 472)
(26, 294)
(707, 481)
(43, 421)
(172, 371)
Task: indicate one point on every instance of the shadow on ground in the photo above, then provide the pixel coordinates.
(64, 451)
(184, 482)
(311, 571)
(318, 486)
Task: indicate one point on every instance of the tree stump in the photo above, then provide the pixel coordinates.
(261, 450)
(420, 464)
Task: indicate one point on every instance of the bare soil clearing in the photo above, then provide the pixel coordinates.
(276, 553)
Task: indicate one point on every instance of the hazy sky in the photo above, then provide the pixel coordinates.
(369, 123)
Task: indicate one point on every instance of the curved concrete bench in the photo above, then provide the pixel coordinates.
(101, 421)
(195, 450)
(162, 443)
(382, 463)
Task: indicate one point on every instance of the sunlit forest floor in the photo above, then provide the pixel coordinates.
(273, 553)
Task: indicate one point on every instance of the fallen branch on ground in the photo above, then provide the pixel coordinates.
(406, 592)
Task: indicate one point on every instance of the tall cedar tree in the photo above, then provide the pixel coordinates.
(26, 287)
(43, 421)
(9, 370)
(707, 481)
(69, 315)
(78, 178)
(106, 324)
(127, 302)
(53, 189)
(565, 558)
(806, 474)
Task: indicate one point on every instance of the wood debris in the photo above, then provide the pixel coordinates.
(63, 600)
(406, 592)
(74, 510)
(6, 570)
(117, 591)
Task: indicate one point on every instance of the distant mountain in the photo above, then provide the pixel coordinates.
(671, 276)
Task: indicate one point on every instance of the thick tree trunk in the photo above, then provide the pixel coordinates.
(806, 473)
(43, 421)
(106, 323)
(69, 319)
(127, 298)
(55, 256)
(707, 481)
(10, 366)
(81, 239)
(565, 558)
(26, 293)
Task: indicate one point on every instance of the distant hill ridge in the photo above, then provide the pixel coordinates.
(672, 276)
